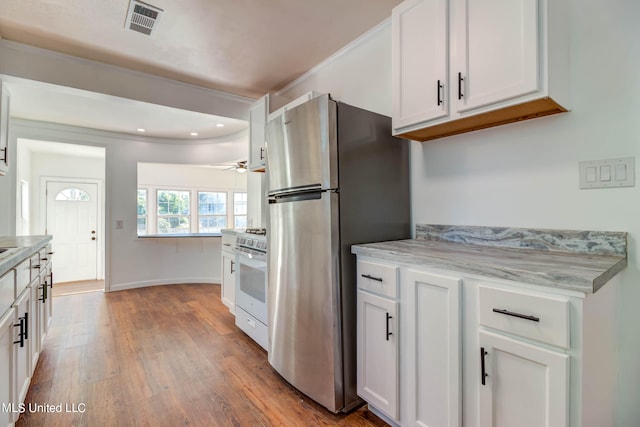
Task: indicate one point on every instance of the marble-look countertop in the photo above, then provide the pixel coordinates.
(23, 247)
(563, 270)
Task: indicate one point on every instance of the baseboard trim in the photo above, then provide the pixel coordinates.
(147, 283)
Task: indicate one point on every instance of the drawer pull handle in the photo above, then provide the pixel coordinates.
(251, 323)
(26, 325)
(368, 276)
(483, 374)
(389, 333)
(518, 315)
(21, 334)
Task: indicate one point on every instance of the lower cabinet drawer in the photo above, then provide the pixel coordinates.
(23, 276)
(539, 318)
(381, 279)
(7, 291)
(251, 326)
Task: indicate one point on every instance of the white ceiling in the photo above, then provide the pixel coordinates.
(242, 47)
(56, 104)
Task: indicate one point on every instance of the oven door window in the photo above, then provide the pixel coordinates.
(251, 287)
(252, 280)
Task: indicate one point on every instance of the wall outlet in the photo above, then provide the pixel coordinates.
(610, 173)
(119, 224)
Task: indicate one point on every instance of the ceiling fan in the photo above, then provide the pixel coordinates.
(240, 167)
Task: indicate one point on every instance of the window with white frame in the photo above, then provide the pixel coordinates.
(173, 212)
(212, 211)
(240, 210)
(176, 200)
(142, 211)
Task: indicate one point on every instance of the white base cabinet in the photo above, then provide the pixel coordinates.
(522, 384)
(409, 344)
(24, 322)
(378, 349)
(22, 349)
(430, 349)
(228, 284)
(7, 335)
(483, 353)
(378, 338)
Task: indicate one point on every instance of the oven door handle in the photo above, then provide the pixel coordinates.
(256, 261)
(251, 256)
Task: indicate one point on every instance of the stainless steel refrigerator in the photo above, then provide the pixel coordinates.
(336, 177)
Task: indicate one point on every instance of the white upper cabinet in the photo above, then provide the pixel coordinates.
(4, 128)
(420, 62)
(257, 122)
(497, 55)
(462, 65)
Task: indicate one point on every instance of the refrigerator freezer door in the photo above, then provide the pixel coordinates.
(304, 297)
(301, 147)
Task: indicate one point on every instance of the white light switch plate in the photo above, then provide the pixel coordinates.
(610, 173)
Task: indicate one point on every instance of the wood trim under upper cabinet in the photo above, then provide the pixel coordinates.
(528, 110)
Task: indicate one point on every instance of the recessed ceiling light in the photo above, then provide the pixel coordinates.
(141, 130)
(220, 125)
(194, 133)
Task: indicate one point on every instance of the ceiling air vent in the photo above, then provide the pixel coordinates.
(142, 17)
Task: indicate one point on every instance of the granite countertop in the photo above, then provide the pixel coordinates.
(24, 246)
(576, 261)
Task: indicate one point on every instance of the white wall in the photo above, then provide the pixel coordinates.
(526, 174)
(130, 261)
(162, 174)
(359, 74)
(24, 225)
(61, 166)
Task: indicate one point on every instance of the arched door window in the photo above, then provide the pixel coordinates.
(73, 195)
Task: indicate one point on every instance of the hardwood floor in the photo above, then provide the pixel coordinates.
(162, 356)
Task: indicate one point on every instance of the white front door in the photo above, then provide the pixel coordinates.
(72, 209)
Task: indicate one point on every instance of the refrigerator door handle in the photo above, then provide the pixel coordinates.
(296, 197)
(293, 190)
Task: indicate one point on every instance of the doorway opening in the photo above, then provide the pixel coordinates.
(62, 195)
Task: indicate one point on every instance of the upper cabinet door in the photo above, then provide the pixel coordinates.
(506, 61)
(257, 122)
(4, 128)
(420, 57)
(497, 51)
